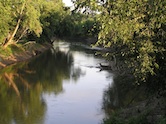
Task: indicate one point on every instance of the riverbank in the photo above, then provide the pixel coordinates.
(133, 104)
(32, 49)
(23, 53)
(149, 111)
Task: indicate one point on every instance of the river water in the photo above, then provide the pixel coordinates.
(62, 86)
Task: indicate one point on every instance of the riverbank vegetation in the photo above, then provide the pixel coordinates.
(134, 32)
(22, 23)
(25, 22)
(41, 20)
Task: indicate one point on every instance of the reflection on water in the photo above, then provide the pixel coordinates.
(22, 86)
(122, 93)
(56, 87)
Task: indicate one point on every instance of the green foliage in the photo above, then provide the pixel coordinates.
(28, 20)
(24, 19)
(133, 30)
(52, 14)
(4, 23)
(9, 51)
(64, 23)
(79, 25)
(130, 28)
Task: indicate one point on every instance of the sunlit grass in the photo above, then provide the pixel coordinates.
(10, 50)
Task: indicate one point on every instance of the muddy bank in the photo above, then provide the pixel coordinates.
(31, 50)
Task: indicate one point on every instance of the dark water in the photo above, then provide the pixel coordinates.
(61, 86)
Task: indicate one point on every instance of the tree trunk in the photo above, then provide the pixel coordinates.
(13, 34)
(9, 41)
(22, 34)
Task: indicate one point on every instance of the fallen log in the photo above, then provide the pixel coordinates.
(105, 67)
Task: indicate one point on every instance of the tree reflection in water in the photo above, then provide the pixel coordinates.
(22, 85)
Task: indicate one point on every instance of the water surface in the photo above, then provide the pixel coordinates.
(61, 86)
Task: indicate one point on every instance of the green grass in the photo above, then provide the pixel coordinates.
(10, 50)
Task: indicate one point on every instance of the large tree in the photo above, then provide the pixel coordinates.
(20, 18)
(134, 30)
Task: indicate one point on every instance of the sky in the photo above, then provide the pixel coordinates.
(68, 2)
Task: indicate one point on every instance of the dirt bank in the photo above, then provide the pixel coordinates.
(30, 51)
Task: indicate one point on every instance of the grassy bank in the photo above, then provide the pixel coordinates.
(17, 53)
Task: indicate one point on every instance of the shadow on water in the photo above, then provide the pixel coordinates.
(122, 93)
(125, 103)
(22, 85)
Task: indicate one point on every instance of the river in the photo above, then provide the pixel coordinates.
(62, 86)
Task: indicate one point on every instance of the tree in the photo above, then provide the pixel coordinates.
(4, 23)
(24, 18)
(134, 31)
